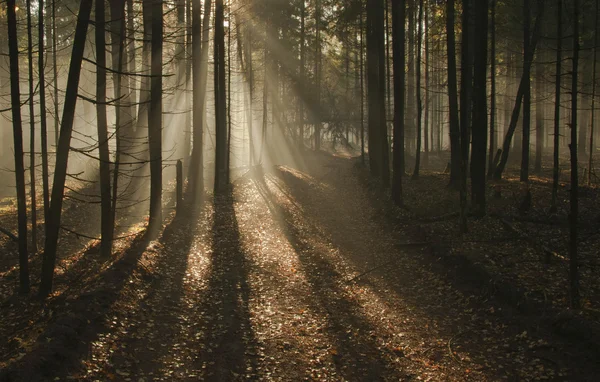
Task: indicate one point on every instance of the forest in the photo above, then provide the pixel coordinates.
(321, 190)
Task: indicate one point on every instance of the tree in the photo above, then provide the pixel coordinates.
(15, 97)
(593, 103)
(478, 156)
(398, 22)
(419, 103)
(155, 119)
(574, 197)
(43, 120)
(32, 181)
(378, 148)
(62, 152)
(455, 151)
(558, 77)
(527, 59)
(220, 100)
(492, 151)
(106, 218)
(520, 93)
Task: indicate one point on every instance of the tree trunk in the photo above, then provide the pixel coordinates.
(32, 192)
(492, 150)
(318, 69)
(574, 201)
(106, 221)
(527, 60)
(200, 41)
(155, 120)
(398, 21)
(362, 89)
(455, 151)
(55, 74)
(478, 156)
(558, 77)
(466, 88)
(43, 119)
(15, 95)
(62, 152)
(520, 94)
(419, 104)
(593, 104)
(301, 87)
(220, 101)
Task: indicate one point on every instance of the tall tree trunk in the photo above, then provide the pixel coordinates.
(520, 93)
(527, 60)
(43, 119)
(106, 220)
(557, 81)
(593, 105)
(398, 22)
(419, 104)
(220, 100)
(155, 119)
(478, 156)
(131, 50)
(409, 112)
(32, 192)
(55, 73)
(427, 86)
(455, 151)
(301, 87)
(466, 89)
(62, 152)
(539, 116)
(318, 69)
(200, 41)
(15, 97)
(574, 199)
(492, 151)
(362, 88)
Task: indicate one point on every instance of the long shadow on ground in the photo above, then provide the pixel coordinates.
(228, 349)
(356, 353)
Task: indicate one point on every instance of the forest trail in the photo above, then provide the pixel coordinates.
(269, 283)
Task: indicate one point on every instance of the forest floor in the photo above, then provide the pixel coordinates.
(300, 272)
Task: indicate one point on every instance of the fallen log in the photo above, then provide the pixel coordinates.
(9, 234)
(548, 253)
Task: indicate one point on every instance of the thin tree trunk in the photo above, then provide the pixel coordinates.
(466, 87)
(62, 152)
(479, 145)
(520, 94)
(55, 73)
(32, 192)
(527, 61)
(362, 89)
(574, 199)
(106, 221)
(43, 119)
(419, 104)
(398, 21)
(318, 69)
(15, 95)
(558, 76)
(492, 151)
(220, 100)
(593, 105)
(455, 151)
(427, 86)
(155, 119)
(301, 98)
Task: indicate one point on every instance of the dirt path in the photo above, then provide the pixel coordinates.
(263, 286)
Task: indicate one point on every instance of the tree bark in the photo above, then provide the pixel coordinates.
(557, 81)
(220, 101)
(155, 120)
(398, 21)
(419, 103)
(455, 151)
(62, 152)
(106, 221)
(32, 181)
(15, 96)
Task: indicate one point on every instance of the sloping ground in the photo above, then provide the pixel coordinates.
(293, 275)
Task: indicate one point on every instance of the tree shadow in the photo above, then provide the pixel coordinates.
(228, 348)
(355, 353)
